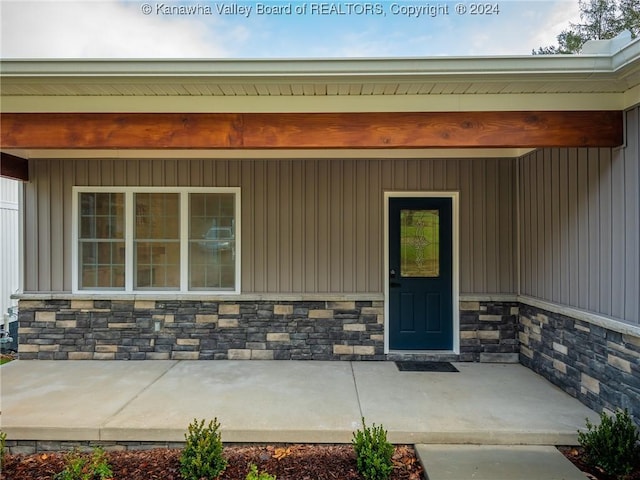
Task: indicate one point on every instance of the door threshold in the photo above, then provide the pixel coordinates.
(421, 352)
(423, 355)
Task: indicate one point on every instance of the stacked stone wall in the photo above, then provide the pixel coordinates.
(598, 366)
(489, 332)
(200, 330)
(29, 447)
(67, 329)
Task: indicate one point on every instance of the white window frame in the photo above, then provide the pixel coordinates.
(129, 192)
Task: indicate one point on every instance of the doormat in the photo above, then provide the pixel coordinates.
(426, 367)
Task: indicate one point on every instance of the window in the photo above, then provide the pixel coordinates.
(101, 240)
(156, 239)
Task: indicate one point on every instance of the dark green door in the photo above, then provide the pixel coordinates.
(420, 274)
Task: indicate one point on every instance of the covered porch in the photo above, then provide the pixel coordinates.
(539, 156)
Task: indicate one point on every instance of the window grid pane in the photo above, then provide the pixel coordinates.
(157, 241)
(212, 243)
(101, 245)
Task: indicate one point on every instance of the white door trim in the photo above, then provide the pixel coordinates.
(455, 250)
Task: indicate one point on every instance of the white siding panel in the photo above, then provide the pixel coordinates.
(9, 248)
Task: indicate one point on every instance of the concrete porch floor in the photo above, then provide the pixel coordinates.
(284, 401)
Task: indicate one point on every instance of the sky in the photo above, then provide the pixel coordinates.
(279, 28)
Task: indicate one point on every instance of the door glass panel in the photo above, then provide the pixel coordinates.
(419, 243)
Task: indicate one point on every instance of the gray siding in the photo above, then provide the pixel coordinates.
(579, 224)
(309, 226)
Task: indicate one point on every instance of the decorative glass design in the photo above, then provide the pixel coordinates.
(420, 243)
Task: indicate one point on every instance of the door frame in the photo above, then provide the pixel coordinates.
(455, 251)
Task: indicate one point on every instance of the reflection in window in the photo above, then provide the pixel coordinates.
(161, 254)
(157, 240)
(212, 244)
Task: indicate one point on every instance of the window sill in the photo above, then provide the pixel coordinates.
(199, 296)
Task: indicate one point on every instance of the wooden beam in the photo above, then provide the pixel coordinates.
(318, 130)
(435, 130)
(14, 167)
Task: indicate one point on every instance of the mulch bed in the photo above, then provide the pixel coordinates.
(292, 462)
(576, 456)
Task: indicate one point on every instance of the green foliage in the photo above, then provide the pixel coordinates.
(80, 467)
(255, 475)
(202, 456)
(3, 439)
(374, 453)
(613, 445)
(599, 20)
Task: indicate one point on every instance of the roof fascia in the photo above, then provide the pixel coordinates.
(626, 56)
(319, 69)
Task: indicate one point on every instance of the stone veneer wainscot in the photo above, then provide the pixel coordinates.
(127, 329)
(67, 329)
(600, 366)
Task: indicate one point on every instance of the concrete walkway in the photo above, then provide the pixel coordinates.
(491, 462)
(284, 401)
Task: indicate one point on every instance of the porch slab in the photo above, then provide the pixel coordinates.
(284, 401)
(500, 404)
(69, 400)
(490, 462)
(255, 401)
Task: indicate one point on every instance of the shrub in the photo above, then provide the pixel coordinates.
(613, 445)
(373, 452)
(3, 439)
(202, 456)
(254, 475)
(79, 467)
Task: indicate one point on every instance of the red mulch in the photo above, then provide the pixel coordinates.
(293, 462)
(576, 456)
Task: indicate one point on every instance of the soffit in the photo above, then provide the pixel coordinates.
(367, 154)
(570, 81)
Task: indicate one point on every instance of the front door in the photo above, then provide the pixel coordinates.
(420, 273)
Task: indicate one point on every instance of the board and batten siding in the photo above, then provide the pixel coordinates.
(9, 241)
(580, 223)
(308, 225)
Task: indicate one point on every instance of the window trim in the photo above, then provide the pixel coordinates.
(129, 240)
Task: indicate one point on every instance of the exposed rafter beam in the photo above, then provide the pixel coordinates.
(14, 167)
(309, 131)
